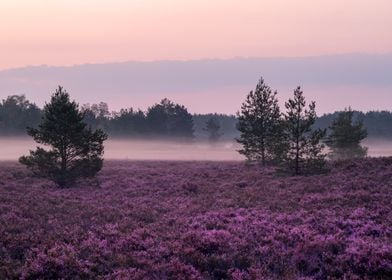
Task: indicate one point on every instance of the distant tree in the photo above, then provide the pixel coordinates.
(260, 126)
(344, 139)
(96, 115)
(76, 151)
(377, 123)
(128, 122)
(213, 129)
(168, 119)
(305, 150)
(227, 123)
(89, 116)
(101, 110)
(16, 113)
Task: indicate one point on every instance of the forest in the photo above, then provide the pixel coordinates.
(161, 120)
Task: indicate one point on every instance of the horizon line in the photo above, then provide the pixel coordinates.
(147, 61)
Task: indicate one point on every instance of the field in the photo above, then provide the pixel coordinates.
(199, 220)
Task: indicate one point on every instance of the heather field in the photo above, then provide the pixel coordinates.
(199, 220)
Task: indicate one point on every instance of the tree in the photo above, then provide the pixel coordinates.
(227, 123)
(305, 150)
(168, 119)
(345, 137)
(259, 123)
(96, 115)
(76, 151)
(16, 113)
(213, 127)
(128, 122)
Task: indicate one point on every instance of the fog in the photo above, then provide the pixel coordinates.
(378, 147)
(12, 148)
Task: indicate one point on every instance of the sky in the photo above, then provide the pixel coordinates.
(92, 32)
(68, 32)
(363, 82)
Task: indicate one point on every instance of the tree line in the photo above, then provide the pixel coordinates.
(71, 149)
(163, 120)
(290, 139)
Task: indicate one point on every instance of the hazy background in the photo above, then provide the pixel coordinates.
(204, 54)
(117, 149)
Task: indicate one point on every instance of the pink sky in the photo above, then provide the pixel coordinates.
(78, 31)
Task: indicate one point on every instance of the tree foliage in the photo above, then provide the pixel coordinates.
(344, 139)
(213, 129)
(96, 115)
(128, 122)
(75, 150)
(16, 113)
(259, 123)
(305, 150)
(227, 125)
(169, 119)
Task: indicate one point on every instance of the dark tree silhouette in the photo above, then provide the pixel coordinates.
(76, 151)
(213, 129)
(259, 123)
(227, 123)
(344, 139)
(97, 115)
(168, 119)
(305, 150)
(128, 122)
(16, 113)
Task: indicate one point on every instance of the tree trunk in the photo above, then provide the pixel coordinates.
(297, 158)
(297, 145)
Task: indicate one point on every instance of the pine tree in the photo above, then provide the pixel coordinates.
(75, 150)
(305, 150)
(345, 137)
(213, 129)
(259, 123)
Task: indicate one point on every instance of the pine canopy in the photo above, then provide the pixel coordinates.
(75, 150)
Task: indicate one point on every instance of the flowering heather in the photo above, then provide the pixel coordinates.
(199, 220)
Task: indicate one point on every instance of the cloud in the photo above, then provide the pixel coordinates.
(136, 84)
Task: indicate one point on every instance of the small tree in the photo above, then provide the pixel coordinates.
(76, 151)
(213, 129)
(305, 150)
(345, 137)
(259, 123)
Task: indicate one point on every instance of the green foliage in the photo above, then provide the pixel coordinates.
(345, 137)
(259, 123)
(16, 113)
(213, 129)
(128, 122)
(377, 123)
(168, 119)
(227, 123)
(305, 150)
(76, 151)
(96, 115)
